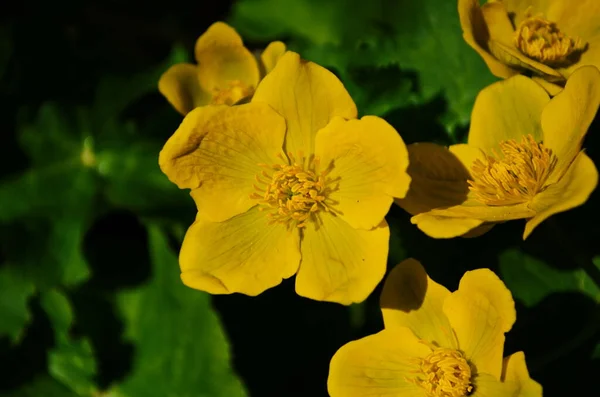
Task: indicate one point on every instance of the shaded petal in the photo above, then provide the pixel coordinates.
(507, 110)
(444, 227)
(438, 178)
(567, 117)
(271, 55)
(479, 230)
(551, 88)
(486, 385)
(478, 328)
(243, 254)
(571, 191)
(339, 263)
(485, 282)
(377, 366)
(180, 85)
(222, 57)
(369, 161)
(217, 151)
(516, 377)
(411, 299)
(476, 210)
(308, 96)
(476, 34)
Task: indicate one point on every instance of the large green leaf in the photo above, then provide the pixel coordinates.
(43, 386)
(531, 279)
(180, 347)
(71, 361)
(15, 291)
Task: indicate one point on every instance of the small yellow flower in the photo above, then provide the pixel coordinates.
(550, 38)
(289, 183)
(225, 74)
(436, 343)
(523, 160)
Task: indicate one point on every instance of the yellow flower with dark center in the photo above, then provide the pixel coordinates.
(523, 160)
(225, 74)
(290, 183)
(548, 38)
(436, 343)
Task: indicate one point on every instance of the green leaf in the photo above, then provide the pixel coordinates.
(179, 342)
(15, 291)
(72, 361)
(531, 280)
(43, 386)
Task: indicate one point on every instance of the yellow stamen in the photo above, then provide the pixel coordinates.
(295, 192)
(544, 42)
(515, 176)
(232, 92)
(444, 373)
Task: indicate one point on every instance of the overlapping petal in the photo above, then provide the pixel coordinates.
(516, 377)
(180, 84)
(368, 162)
(308, 96)
(217, 152)
(243, 254)
(271, 55)
(339, 263)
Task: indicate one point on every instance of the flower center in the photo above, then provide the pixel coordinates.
(543, 41)
(515, 176)
(294, 193)
(445, 373)
(232, 92)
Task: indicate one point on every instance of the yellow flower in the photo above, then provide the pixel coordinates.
(225, 74)
(289, 183)
(550, 38)
(436, 343)
(523, 160)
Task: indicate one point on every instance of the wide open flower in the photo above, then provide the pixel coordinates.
(523, 159)
(289, 183)
(225, 74)
(436, 343)
(550, 38)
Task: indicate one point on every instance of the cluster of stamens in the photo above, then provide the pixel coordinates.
(544, 42)
(232, 92)
(444, 373)
(515, 176)
(295, 192)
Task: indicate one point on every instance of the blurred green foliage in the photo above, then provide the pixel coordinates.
(91, 303)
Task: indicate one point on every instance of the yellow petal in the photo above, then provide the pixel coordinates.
(551, 88)
(478, 328)
(180, 85)
(476, 34)
(444, 227)
(479, 230)
(411, 299)
(270, 56)
(369, 161)
(516, 376)
(217, 151)
(377, 365)
(485, 282)
(499, 25)
(339, 263)
(243, 254)
(571, 191)
(507, 110)
(222, 58)
(476, 210)
(486, 385)
(308, 96)
(438, 178)
(567, 117)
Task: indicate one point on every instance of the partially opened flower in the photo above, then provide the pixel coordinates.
(225, 74)
(436, 343)
(289, 183)
(550, 38)
(523, 160)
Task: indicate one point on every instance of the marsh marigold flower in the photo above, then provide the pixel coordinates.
(290, 183)
(436, 343)
(522, 160)
(225, 73)
(549, 38)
